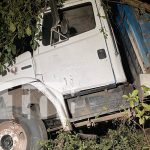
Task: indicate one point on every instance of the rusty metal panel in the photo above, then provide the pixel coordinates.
(138, 29)
(97, 104)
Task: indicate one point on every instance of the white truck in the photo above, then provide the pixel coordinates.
(74, 76)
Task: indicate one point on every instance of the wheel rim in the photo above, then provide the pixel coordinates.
(12, 136)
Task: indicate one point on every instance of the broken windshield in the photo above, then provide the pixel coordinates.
(75, 20)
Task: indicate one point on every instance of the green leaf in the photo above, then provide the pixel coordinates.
(135, 93)
(145, 148)
(13, 49)
(141, 121)
(28, 31)
(125, 97)
(142, 112)
(137, 99)
(131, 104)
(12, 27)
(139, 112)
(146, 106)
(138, 115)
(9, 49)
(147, 117)
(34, 45)
(145, 89)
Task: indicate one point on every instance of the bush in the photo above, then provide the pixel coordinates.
(124, 138)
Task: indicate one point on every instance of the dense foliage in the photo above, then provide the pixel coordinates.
(123, 138)
(130, 133)
(17, 27)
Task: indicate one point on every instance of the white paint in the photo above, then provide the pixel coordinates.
(145, 80)
(21, 61)
(55, 97)
(15, 82)
(70, 66)
(58, 102)
(112, 47)
(73, 65)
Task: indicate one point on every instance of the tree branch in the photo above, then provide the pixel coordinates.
(135, 3)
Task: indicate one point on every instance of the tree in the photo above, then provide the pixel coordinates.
(17, 28)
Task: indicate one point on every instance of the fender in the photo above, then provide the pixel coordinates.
(53, 96)
(16, 82)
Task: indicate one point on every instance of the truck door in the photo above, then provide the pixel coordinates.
(80, 62)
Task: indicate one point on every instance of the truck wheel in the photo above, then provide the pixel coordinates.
(22, 133)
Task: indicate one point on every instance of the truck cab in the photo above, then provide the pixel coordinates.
(77, 67)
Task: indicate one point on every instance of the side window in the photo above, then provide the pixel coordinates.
(79, 19)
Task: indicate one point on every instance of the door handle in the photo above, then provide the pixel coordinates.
(101, 53)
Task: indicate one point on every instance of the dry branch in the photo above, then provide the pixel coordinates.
(135, 3)
(138, 4)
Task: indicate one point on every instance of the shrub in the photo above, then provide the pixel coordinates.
(123, 138)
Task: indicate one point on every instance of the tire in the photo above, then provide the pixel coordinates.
(31, 126)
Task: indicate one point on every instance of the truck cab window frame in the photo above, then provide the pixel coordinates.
(79, 18)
